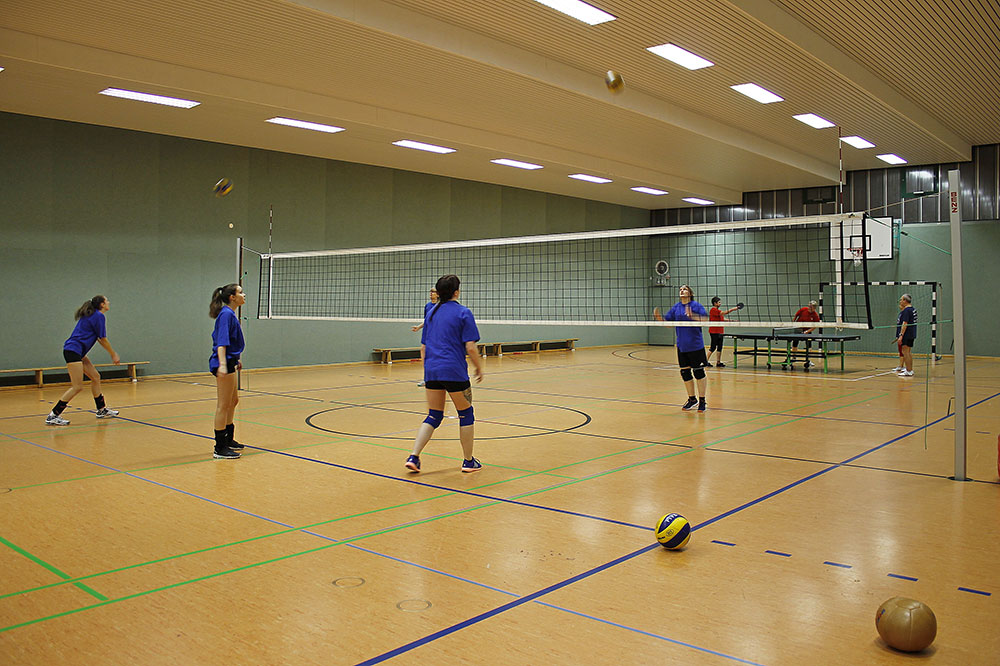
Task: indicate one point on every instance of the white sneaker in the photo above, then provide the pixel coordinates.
(898, 368)
(52, 419)
(105, 413)
(906, 373)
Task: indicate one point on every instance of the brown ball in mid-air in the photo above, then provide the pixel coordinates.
(614, 81)
(906, 624)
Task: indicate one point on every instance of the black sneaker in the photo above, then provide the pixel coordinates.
(689, 405)
(413, 463)
(235, 446)
(225, 453)
(720, 365)
(701, 405)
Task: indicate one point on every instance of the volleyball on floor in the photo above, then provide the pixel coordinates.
(223, 187)
(906, 624)
(614, 81)
(673, 531)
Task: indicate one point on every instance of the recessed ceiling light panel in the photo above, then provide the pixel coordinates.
(589, 178)
(857, 142)
(581, 11)
(152, 99)
(676, 54)
(649, 190)
(754, 91)
(700, 202)
(304, 124)
(417, 145)
(515, 163)
(813, 120)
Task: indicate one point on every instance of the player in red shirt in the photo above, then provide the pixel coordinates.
(806, 313)
(716, 314)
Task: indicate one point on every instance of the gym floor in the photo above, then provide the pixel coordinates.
(813, 497)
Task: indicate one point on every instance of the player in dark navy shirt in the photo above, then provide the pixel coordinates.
(906, 333)
(690, 345)
(227, 345)
(90, 328)
(449, 335)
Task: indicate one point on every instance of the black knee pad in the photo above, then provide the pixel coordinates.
(699, 373)
(686, 374)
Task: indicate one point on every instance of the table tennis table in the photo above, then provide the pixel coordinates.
(790, 355)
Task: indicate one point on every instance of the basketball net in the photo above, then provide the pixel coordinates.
(858, 254)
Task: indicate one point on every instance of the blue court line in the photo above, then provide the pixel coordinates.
(723, 543)
(838, 564)
(969, 589)
(901, 577)
(777, 552)
(500, 609)
(651, 635)
(483, 616)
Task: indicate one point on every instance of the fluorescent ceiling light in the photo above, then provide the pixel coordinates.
(515, 163)
(291, 122)
(581, 11)
(857, 142)
(700, 202)
(891, 158)
(431, 148)
(145, 97)
(589, 178)
(754, 91)
(813, 120)
(648, 190)
(676, 54)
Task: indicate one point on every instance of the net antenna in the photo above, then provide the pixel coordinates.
(594, 278)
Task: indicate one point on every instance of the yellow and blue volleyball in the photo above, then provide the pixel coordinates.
(673, 531)
(223, 187)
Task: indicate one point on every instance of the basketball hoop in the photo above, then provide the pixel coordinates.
(858, 254)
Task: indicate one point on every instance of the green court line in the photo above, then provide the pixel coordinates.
(365, 536)
(450, 494)
(361, 440)
(168, 465)
(39, 561)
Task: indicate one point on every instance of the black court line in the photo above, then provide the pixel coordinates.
(830, 462)
(539, 431)
(624, 558)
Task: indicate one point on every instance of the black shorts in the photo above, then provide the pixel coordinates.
(692, 359)
(450, 387)
(71, 356)
(716, 342)
(230, 366)
(908, 341)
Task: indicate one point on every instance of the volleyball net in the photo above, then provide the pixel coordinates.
(601, 278)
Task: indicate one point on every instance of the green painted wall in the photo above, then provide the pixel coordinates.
(87, 209)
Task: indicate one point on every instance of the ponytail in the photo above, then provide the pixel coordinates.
(220, 299)
(446, 287)
(90, 307)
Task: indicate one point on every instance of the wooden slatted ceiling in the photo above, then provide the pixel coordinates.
(946, 63)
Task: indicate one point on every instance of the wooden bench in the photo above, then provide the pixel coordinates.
(387, 352)
(39, 372)
(536, 345)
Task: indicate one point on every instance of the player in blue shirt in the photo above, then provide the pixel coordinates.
(90, 328)
(449, 335)
(227, 345)
(690, 345)
(906, 333)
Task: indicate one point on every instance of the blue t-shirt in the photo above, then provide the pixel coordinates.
(444, 336)
(227, 334)
(688, 337)
(428, 307)
(909, 315)
(88, 331)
